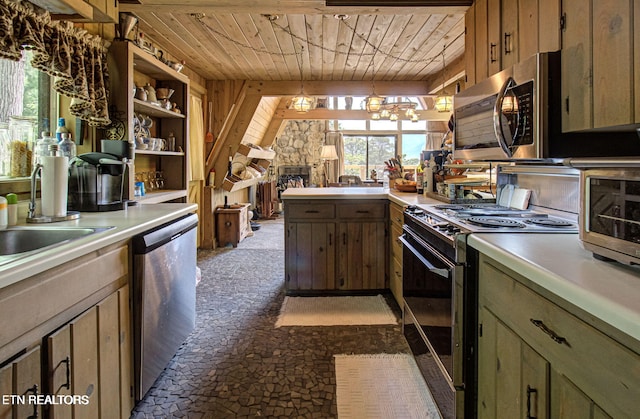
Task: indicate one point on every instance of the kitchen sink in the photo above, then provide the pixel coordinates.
(18, 240)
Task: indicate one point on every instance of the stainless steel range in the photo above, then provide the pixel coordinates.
(440, 278)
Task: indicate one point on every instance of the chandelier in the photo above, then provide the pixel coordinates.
(382, 108)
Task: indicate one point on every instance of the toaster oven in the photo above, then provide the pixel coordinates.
(610, 213)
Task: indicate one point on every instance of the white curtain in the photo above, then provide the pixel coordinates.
(196, 140)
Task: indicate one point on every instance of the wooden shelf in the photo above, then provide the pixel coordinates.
(154, 110)
(232, 186)
(255, 153)
(163, 195)
(148, 64)
(160, 153)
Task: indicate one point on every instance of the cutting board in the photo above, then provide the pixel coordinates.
(520, 198)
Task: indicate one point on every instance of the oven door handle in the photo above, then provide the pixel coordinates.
(438, 271)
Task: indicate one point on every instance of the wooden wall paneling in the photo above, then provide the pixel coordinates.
(192, 38)
(313, 27)
(612, 63)
(290, 51)
(405, 35)
(330, 30)
(254, 38)
(352, 69)
(267, 33)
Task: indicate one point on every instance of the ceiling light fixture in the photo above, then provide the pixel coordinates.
(392, 110)
(302, 103)
(443, 102)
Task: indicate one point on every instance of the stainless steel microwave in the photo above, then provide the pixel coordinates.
(610, 208)
(516, 115)
(506, 116)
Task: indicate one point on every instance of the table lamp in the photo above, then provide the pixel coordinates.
(328, 153)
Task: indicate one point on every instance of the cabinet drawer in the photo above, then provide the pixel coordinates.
(362, 211)
(606, 371)
(396, 214)
(310, 211)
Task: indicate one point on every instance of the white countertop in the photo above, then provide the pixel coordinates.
(126, 223)
(558, 263)
(365, 192)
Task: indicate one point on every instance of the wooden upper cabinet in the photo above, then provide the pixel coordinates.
(494, 35)
(612, 63)
(470, 36)
(501, 33)
(599, 69)
(576, 70)
(509, 38)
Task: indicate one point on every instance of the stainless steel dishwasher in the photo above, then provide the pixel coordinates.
(164, 296)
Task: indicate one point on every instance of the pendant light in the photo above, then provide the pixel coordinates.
(302, 103)
(443, 102)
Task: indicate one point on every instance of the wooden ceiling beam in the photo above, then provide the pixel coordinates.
(339, 88)
(330, 114)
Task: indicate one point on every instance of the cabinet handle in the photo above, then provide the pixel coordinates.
(507, 43)
(330, 239)
(492, 52)
(311, 211)
(398, 220)
(34, 390)
(67, 363)
(530, 390)
(553, 335)
(362, 212)
(344, 238)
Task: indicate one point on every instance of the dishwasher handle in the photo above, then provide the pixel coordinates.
(160, 235)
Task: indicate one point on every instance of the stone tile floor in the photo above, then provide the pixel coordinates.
(236, 364)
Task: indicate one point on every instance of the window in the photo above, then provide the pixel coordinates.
(25, 91)
(363, 153)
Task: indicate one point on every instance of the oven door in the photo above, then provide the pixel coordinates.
(431, 313)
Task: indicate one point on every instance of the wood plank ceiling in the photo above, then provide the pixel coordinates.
(278, 40)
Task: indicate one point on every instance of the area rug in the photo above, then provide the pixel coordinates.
(335, 311)
(382, 386)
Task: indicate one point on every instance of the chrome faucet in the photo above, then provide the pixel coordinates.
(32, 202)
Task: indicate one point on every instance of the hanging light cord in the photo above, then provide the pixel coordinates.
(199, 17)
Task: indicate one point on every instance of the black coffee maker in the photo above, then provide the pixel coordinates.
(96, 183)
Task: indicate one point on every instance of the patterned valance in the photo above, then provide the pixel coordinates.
(76, 59)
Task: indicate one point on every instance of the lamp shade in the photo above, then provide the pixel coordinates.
(443, 103)
(373, 103)
(302, 103)
(328, 152)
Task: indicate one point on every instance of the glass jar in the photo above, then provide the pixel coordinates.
(22, 132)
(5, 154)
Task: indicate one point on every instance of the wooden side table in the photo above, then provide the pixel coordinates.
(232, 224)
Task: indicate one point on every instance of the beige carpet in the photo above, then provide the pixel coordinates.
(335, 311)
(382, 386)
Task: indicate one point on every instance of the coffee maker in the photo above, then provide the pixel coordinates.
(96, 183)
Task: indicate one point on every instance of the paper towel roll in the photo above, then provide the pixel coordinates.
(55, 173)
